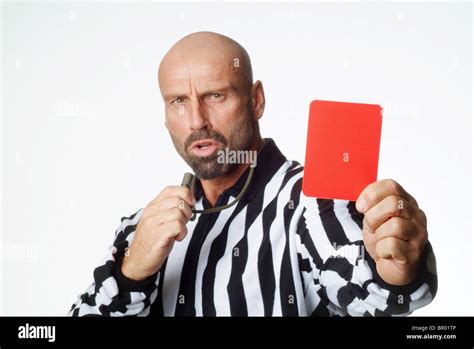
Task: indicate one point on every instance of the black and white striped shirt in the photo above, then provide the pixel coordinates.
(275, 253)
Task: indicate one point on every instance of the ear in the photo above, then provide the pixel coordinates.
(258, 99)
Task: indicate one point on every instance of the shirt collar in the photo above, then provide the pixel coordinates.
(269, 160)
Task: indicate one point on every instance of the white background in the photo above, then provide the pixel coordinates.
(83, 140)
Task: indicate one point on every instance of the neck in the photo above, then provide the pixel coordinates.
(214, 187)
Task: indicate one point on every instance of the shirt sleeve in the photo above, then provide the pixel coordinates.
(341, 277)
(111, 293)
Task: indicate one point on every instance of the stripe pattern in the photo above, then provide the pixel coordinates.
(275, 253)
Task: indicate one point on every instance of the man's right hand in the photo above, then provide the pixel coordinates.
(163, 221)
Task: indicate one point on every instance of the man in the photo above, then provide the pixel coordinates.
(276, 252)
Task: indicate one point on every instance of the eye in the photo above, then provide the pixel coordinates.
(177, 100)
(216, 95)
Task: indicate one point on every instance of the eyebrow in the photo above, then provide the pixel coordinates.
(207, 91)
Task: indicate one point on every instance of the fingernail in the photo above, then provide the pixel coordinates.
(361, 205)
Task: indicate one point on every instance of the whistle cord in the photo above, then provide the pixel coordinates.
(241, 194)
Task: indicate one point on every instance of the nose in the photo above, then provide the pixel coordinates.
(198, 115)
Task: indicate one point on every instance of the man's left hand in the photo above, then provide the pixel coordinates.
(394, 230)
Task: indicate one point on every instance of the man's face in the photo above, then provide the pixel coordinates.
(208, 108)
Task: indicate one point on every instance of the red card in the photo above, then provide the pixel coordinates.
(342, 149)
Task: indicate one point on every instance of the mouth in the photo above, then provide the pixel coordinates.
(204, 147)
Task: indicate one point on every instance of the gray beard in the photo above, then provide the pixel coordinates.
(209, 168)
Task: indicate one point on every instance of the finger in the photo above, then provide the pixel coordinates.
(377, 191)
(172, 214)
(182, 234)
(418, 221)
(174, 230)
(172, 202)
(187, 210)
(390, 206)
(395, 249)
(420, 218)
(397, 227)
(177, 190)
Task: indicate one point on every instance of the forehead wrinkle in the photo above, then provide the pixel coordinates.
(204, 78)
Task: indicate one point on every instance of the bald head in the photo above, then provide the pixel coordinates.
(211, 48)
(207, 86)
